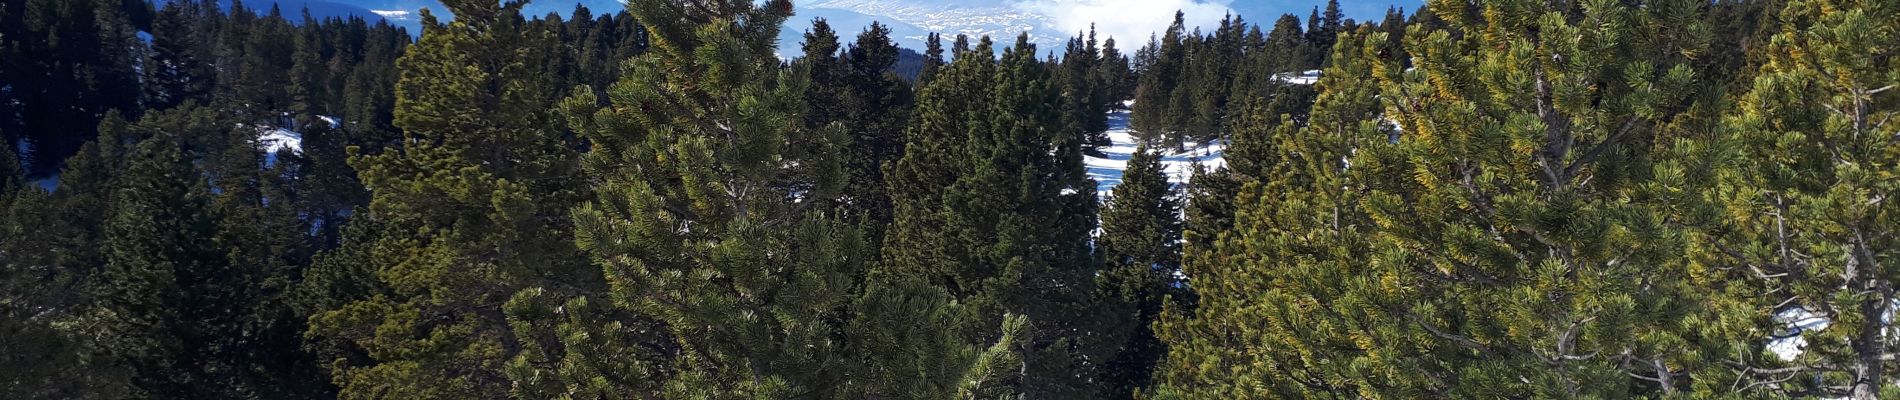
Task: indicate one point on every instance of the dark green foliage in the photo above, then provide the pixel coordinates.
(856, 90)
(58, 89)
(471, 210)
(988, 214)
(879, 104)
(1160, 66)
(1085, 89)
(1495, 199)
(707, 220)
(1196, 86)
(933, 59)
(1141, 244)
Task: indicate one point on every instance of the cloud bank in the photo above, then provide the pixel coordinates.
(1130, 22)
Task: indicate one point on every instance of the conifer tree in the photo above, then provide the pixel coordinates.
(1808, 161)
(714, 216)
(1287, 46)
(1114, 75)
(1155, 95)
(1495, 240)
(1141, 246)
(175, 73)
(988, 214)
(1083, 89)
(167, 291)
(880, 105)
(825, 97)
(933, 59)
(1601, 292)
(1326, 31)
(64, 86)
(42, 355)
(1236, 251)
(472, 210)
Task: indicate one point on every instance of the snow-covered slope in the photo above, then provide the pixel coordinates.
(275, 138)
(848, 24)
(1107, 170)
(1002, 20)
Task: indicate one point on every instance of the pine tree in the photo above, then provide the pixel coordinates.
(756, 295)
(175, 73)
(472, 209)
(38, 359)
(1141, 243)
(1238, 249)
(65, 86)
(1287, 46)
(1808, 159)
(1495, 240)
(825, 96)
(1087, 99)
(262, 81)
(880, 104)
(988, 214)
(164, 288)
(1155, 96)
(1114, 75)
(1327, 31)
(305, 79)
(933, 59)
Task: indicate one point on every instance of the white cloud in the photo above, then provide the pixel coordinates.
(1130, 22)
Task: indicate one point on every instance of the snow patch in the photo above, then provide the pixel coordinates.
(273, 140)
(1798, 320)
(1179, 165)
(1307, 77)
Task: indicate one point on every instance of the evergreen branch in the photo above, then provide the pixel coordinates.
(1461, 340)
(1600, 148)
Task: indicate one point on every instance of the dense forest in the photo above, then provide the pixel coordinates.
(1478, 199)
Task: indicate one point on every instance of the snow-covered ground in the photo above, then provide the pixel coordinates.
(273, 140)
(1798, 320)
(1307, 77)
(1107, 170)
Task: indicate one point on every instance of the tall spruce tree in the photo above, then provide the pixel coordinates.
(1160, 75)
(1082, 88)
(1141, 245)
(174, 308)
(45, 351)
(472, 208)
(880, 105)
(933, 59)
(1114, 75)
(987, 212)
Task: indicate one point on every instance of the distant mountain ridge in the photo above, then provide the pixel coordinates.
(910, 21)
